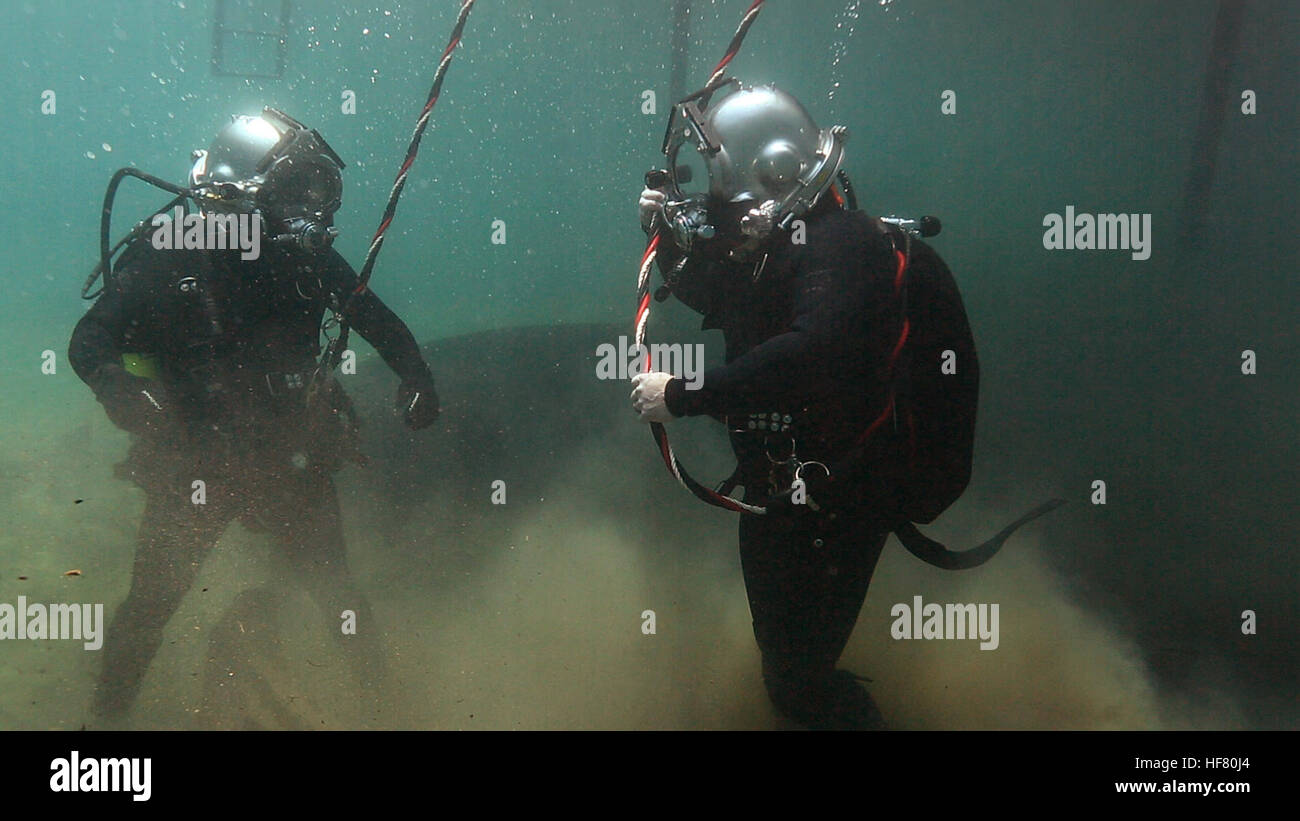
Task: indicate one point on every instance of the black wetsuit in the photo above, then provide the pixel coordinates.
(235, 344)
(808, 342)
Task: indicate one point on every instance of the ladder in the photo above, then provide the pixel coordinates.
(240, 31)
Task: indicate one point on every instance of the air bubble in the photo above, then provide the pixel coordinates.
(840, 47)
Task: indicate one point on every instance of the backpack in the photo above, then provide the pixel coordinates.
(935, 382)
(934, 391)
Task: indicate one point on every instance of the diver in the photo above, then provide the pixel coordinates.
(755, 236)
(207, 355)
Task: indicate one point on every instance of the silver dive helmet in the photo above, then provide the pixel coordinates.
(754, 145)
(273, 165)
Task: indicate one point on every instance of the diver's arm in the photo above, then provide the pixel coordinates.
(94, 352)
(378, 325)
(696, 283)
(417, 398)
(389, 335)
(782, 370)
(821, 349)
(133, 403)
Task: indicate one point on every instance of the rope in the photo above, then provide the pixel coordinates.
(734, 46)
(334, 351)
(378, 241)
(643, 310)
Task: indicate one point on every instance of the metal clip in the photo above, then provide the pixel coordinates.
(798, 471)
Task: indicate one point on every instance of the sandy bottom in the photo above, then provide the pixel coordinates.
(530, 617)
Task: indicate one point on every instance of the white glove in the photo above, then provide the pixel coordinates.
(652, 202)
(648, 397)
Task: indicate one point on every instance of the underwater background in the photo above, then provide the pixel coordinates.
(1095, 366)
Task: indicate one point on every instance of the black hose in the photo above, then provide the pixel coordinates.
(105, 266)
(936, 554)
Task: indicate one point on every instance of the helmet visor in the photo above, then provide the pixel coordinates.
(688, 141)
(301, 186)
(690, 175)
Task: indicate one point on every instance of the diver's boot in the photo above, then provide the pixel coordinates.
(835, 701)
(848, 704)
(792, 694)
(112, 701)
(128, 650)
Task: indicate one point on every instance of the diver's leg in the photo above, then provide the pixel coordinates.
(304, 517)
(175, 535)
(806, 586)
(850, 561)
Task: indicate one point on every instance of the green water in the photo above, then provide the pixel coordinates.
(528, 614)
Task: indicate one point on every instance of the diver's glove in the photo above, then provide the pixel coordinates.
(417, 402)
(652, 203)
(133, 403)
(648, 397)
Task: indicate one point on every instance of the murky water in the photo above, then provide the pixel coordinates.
(531, 613)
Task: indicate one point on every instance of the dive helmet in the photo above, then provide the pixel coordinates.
(273, 165)
(753, 149)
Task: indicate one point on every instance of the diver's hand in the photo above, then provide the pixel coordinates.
(652, 203)
(648, 397)
(417, 402)
(135, 404)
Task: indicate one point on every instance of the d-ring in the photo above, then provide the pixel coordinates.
(798, 472)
